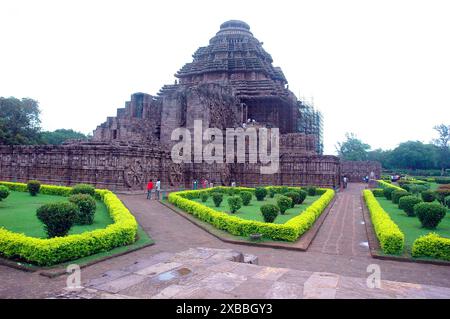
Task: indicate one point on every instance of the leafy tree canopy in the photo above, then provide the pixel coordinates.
(59, 136)
(352, 149)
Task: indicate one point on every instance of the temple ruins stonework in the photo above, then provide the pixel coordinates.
(230, 83)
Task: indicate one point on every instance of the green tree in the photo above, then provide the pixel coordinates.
(59, 136)
(414, 155)
(443, 147)
(19, 121)
(382, 156)
(352, 149)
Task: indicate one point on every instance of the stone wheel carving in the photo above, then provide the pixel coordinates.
(134, 175)
(175, 174)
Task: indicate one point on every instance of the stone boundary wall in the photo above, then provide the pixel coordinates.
(357, 170)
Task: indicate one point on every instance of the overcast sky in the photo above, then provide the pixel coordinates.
(380, 69)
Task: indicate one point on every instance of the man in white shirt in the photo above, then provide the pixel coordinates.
(158, 188)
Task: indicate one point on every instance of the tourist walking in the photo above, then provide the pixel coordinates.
(158, 189)
(195, 184)
(149, 189)
(345, 181)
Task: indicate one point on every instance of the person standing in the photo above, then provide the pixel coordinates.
(345, 181)
(195, 184)
(149, 189)
(158, 188)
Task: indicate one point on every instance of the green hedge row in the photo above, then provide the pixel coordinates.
(391, 238)
(289, 231)
(432, 245)
(46, 252)
(384, 184)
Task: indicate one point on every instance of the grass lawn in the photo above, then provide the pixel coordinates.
(18, 214)
(411, 226)
(252, 212)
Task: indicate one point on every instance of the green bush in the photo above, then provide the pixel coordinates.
(260, 193)
(433, 246)
(311, 190)
(378, 192)
(204, 196)
(4, 192)
(86, 208)
(442, 180)
(388, 192)
(428, 196)
(269, 212)
(391, 238)
(397, 194)
(447, 201)
(441, 194)
(83, 189)
(284, 203)
(407, 204)
(33, 187)
(217, 198)
(246, 197)
(235, 203)
(294, 196)
(430, 214)
(58, 218)
(271, 192)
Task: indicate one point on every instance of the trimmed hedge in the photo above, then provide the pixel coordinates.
(396, 195)
(378, 192)
(46, 252)
(289, 231)
(391, 238)
(432, 245)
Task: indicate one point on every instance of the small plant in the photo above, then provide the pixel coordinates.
(217, 198)
(58, 218)
(311, 190)
(271, 192)
(447, 201)
(246, 197)
(4, 192)
(260, 193)
(204, 197)
(84, 189)
(284, 203)
(378, 192)
(428, 196)
(430, 214)
(442, 192)
(235, 203)
(388, 192)
(407, 203)
(269, 212)
(302, 197)
(397, 194)
(86, 208)
(33, 187)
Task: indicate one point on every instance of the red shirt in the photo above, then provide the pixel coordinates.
(150, 186)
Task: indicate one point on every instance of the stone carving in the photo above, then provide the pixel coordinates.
(134, 175)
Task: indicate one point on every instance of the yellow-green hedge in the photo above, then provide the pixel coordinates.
(432, 245)
(56, 250)
(384, 185)
(391, 238)
(289, 231)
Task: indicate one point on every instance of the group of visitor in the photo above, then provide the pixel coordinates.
(157, 188)
(204, 183)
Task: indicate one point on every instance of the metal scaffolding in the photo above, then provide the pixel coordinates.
(310, 121)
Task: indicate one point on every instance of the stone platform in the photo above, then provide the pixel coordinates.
(199, 273)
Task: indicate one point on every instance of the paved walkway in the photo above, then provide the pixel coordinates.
(336, 250)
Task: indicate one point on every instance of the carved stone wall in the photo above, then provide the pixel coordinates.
(357, 170)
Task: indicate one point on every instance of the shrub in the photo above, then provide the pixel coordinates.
(388, 192)
(442, 180)
(83, 189)
(235, 203)
(260, 193)
(442, 192)
(378, 192)
(58, 218)
(204, 196)
(397, 194)
(428, 196)
(431, 245)
(303, 195)
(4, 192)
(311, 190)
(86, 208)
(430, 214)
(246, 197)
(391, 238)
(33, 187)
(217, 198)
(407, 204)
(269, 212)
(284, 203)
(271, 192)
(447, 201)
(295, 196)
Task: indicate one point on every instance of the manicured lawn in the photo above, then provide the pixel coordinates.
(252, 212)
(411, 226)
(18, 214)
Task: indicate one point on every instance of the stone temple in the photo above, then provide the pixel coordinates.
(230, 83)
